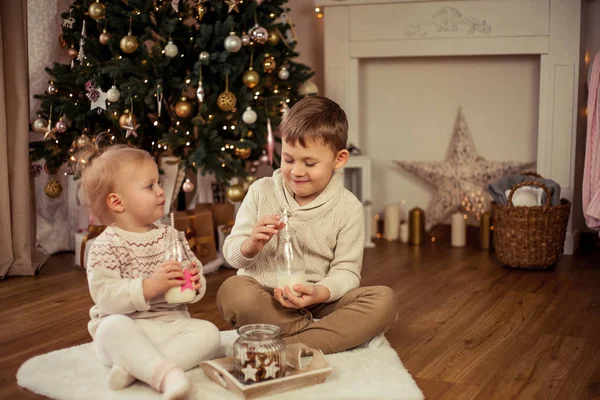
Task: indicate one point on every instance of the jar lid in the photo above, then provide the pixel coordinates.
(259, 331)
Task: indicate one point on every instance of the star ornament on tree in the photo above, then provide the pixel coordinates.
(96, 96)
(49, 134)
(461, 174)
(233, 5)
(130, 128)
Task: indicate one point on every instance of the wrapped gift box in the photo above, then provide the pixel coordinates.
(198, 228)
(222, 214)
(83, 243)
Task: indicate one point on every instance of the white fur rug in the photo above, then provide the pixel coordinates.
(75, 373)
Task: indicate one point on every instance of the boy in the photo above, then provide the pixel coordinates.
(328, 222)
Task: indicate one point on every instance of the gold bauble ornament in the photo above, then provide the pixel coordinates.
(249, 133)
(183, 108)
(273, 38)
(269, 63)
(51, 170)
(82, 141)
(54, 189)
(129, 44)
(104, 37)
(226, 101)
(124, 119)
(97, 10)
(248, 181)
(251, 78)
(200, 11)
(236, 193)
(242, 152)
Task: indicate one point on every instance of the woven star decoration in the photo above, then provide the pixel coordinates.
(462, 175)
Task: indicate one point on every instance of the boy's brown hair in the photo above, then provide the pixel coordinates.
(317, 118)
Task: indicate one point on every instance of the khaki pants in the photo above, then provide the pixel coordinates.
(352, 320)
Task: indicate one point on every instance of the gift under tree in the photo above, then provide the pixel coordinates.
(206, 81)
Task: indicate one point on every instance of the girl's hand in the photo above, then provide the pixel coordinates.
(263, 231)
(196, 277)
(166, 276)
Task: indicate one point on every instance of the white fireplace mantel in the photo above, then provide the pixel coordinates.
(360, 29)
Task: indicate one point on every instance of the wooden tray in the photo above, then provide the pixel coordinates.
(296, 376)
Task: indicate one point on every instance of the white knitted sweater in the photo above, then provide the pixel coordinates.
(329, 232)
(117, 264)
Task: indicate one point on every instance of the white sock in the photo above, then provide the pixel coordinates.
(176, 386)
(118, 378)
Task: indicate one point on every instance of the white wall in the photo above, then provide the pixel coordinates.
(309, 30)
(409, 107)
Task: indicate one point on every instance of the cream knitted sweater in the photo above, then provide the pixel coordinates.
(329, 232)
(117, 264)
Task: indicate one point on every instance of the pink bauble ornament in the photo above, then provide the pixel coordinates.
(264, 159)
(188, 186)
(61, 126)
(259, 34)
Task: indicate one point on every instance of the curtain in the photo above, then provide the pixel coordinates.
(17, 228)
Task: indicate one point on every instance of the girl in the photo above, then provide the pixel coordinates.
(135, 331)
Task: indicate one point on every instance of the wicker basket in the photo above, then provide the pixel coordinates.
(530, 237)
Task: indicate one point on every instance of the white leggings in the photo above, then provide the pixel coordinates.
(149, 349)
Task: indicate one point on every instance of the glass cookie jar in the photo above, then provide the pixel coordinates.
(259, 354)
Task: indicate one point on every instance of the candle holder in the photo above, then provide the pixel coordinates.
(416, 226)
(485, 230)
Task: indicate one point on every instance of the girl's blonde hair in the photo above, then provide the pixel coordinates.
(99, 168)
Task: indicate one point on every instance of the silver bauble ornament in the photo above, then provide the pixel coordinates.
(204, 57)
(232, 43)
(284, 73)
(113, 94)
(39, 125)
(171, 49)
(249, 116)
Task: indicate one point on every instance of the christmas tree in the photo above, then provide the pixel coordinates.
(204, 80)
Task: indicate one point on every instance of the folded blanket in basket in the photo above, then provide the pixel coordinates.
(498, 189)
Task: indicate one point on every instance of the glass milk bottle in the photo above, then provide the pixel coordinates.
(289, 262)
(175, 250)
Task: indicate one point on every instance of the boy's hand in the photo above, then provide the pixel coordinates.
(166, 276)
(309, 295)
(195, 272)
(263, 231)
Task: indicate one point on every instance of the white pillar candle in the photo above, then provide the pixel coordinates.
(404, 232)
(391, 221)
(458, 238)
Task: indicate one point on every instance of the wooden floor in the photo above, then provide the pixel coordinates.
(468, 327)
